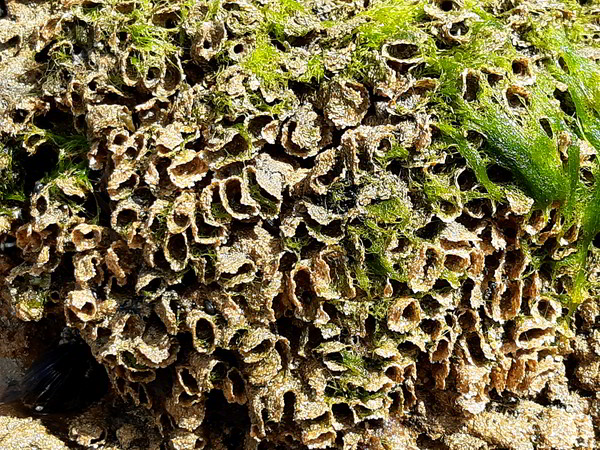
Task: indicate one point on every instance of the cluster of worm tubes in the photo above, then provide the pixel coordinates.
(286, 224)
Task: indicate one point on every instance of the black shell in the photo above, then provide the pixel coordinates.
(66, 378)
(209, 307)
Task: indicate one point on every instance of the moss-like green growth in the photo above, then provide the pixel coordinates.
(315, 70)
(396, 151)
(72, 157)
(296, 244)
(388, 20)
(342, 389)
(582, 78)
(266, 58)
(221, 103)
(160, 228)
(268, 205)
(219, 212)
(11, 180)
(382, 224)
(353, 362)
(38, 301)
(376, 240)
(130, 360)
(522, 147)
(277, 14)
(264, 61)
(153, 44)
(391, 211)
(510, 119)
(351, 384)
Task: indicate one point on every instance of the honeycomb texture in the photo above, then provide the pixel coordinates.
(266, 223)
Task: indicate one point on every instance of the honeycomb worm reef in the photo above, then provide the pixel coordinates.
(311, 224)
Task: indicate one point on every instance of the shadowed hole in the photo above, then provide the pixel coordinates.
(233, 191)
(596, 241)
(177, 247)
(193, 167)
(430, 261)
(566, 102)
(153, 73)
(172, 77)
(563, 64)
(534, 333)
(441, 352)
(204, 332)
(516, 98)
(499, 174)
(282, 349)
(520, 67)
(467, 320)
(342, 413)
(181, 220)
(303, 288)
(459, 29)
(239, 386)
(545, 309)
(263, 347)
(125, 217)
(430, 326)
(88, 309)
(471, 87)
(394, 373)
(130, 183)
(188, 380)
(454, 263)
(218, 373)
(474, 345)
(447, 5)
(411, 312)
(403, 50)
(432, 229)
(545, 124)
(466, 291)
(430, 305)
(236, 146)
(256, 124)
(289, 402)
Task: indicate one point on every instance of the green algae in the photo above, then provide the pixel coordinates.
(267, 204)
(264, 63)
(388, 20)
(151, 43)
(159, 231)
(315, 70)
(395, 152)
(525, 150)
(377, 265)
(296, 244)
(11, 178)
(219, 212)
(277, 14)
(277, 26)
(72, 157)
(514, 135)
(391, 211)
(582, 77)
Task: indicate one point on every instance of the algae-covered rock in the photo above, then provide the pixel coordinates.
(310, 224)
